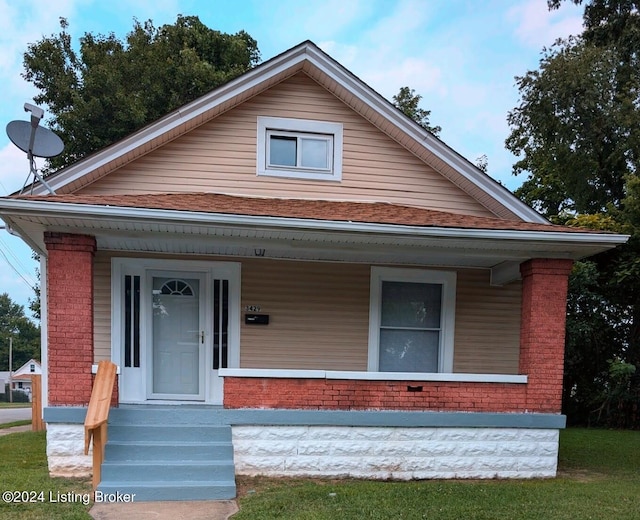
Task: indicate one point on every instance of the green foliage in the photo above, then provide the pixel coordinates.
(619, 400)
(576, 132)
(26, 335)
(407, 101)
(18, 395)
(109, 88)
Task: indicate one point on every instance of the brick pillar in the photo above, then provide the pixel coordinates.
(542, 331)
(70, 317)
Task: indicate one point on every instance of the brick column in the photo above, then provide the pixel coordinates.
(542, 331)
(70, 317)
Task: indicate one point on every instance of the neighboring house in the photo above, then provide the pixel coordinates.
(21, 379)
(315, 270)
(4, 380)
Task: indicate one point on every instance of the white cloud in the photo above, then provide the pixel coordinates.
(14, 169)
(537, 27)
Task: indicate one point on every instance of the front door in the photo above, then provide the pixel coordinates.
(177, 336)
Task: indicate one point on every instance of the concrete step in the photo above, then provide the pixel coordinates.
(166, 471)
(167, 450)
(168, 453)
(159, 490)
(163, 432)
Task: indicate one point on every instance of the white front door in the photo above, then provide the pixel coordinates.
(177, 342)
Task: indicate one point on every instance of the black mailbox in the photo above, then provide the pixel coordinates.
(256, 319)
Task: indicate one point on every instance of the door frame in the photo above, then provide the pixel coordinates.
(133, 381)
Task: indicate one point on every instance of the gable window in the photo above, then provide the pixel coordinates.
(299, 148)
(411, 320)
(32, 367)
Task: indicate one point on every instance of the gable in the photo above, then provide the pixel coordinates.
(220, 156)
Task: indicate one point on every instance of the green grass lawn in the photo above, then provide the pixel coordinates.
(599, 478)
(23, 467)
(15, 405)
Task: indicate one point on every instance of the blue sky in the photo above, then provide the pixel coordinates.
(460, 55)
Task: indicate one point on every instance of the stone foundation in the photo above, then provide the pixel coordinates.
(395, 452)
(65, 451)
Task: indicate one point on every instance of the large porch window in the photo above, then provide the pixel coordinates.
(411, 320)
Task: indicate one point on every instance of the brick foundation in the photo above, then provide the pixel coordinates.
(70, 317)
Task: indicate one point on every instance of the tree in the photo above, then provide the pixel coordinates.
(576, 132)
(26, 336)
(406, 100)
(110, 88)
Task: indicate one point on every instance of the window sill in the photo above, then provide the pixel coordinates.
(372, 376)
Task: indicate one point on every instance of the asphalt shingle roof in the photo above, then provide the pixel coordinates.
(363, 212)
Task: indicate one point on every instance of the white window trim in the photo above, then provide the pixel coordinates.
(300, 127)
(448, 281)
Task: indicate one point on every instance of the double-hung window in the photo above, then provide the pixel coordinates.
(411, 320)
(299, 148)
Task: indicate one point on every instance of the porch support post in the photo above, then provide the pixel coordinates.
(542, 333)
(69, 317)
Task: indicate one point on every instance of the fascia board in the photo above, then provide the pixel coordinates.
(16, 207)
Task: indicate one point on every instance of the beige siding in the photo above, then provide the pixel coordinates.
(319, 315)
(487, 334)
(220, 156)
(102, 306)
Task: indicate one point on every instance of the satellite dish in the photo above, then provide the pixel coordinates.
(36, 141)
(45, 142)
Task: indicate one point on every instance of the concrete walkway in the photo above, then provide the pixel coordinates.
(15, 429)
(192, 510)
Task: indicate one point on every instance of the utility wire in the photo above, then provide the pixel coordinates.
(16, 259)
(32, 287)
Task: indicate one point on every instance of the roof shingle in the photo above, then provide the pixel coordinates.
(341, 211)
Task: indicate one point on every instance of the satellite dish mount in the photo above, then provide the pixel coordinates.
(37, 141)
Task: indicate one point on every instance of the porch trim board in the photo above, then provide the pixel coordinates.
(373, 376)
(286, 417)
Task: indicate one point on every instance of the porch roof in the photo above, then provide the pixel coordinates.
(374, 232)
(328, 210)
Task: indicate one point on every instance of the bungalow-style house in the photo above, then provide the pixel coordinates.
(295, 279)
(21, 378)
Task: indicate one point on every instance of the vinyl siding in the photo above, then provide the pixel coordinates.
(487, 332)
(102, 306)
(319, 316)
(220, 156)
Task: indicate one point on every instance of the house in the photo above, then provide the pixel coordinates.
(292, 260)
(21, 379)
